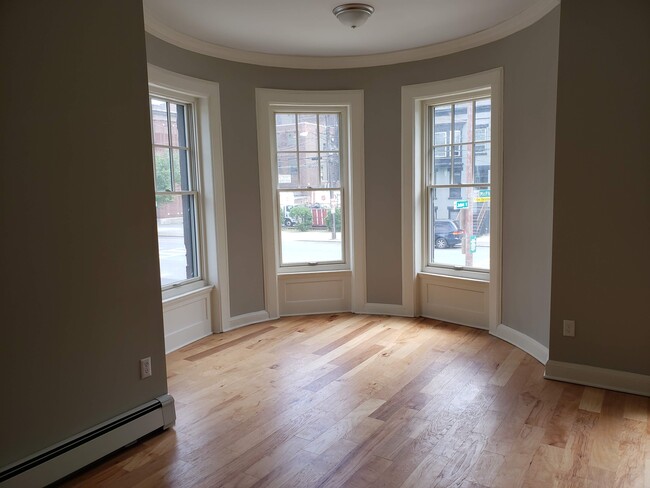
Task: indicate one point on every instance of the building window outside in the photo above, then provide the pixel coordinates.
(309, 183)
(176, 184)
(458, 178)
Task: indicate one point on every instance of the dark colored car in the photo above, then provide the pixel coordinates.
(447, 233)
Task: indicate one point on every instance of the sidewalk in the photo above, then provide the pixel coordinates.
(309, 236)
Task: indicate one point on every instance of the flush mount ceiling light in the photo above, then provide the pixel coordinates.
(353, 14)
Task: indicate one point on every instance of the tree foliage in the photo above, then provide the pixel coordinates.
(163, 177)
(302, 216)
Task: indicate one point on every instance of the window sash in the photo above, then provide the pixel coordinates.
(191, 246)
(444, 150)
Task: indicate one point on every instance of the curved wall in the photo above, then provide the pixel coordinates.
(529, 59)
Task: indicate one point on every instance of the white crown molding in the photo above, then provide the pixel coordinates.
(499, 31)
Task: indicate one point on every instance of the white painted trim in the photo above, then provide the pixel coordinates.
(212, 181)
(176, 337)
(352, 101)
(413, 99)
(522, 341)
(610, 379)
(88, 451)
(385, 309)
(313, 298)
(446, 290)
(247, 319)
(455, 322)
(524, 19)
(185, 298)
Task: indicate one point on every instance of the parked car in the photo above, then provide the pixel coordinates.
(285, 216)
(447, 233)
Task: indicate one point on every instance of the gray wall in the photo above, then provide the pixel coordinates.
(529, 59)
(80, 282)
(600, 249)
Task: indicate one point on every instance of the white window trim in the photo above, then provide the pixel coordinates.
(212, 212)
(415, 99)
(352, 101)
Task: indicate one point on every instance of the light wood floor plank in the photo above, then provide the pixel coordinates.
(344, 400)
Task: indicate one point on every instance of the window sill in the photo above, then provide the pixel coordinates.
(322, 268)
(315, 272)
(185, 290)
(464, 275)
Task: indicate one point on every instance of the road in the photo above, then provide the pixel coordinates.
(297, 247)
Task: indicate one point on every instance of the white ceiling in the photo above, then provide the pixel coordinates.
(307, 28)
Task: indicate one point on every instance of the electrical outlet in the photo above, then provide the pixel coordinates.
(569, 328)
(145, 368)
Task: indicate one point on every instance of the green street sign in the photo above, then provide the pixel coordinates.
(459, 204)
(484, 193)
(472, 244)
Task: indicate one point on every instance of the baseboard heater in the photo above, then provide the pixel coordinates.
(74, 453)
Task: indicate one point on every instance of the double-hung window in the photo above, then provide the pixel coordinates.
(310, 148)
(309, 181)
(457, 181)
(176, 187)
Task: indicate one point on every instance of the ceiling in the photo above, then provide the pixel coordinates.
(269, 31)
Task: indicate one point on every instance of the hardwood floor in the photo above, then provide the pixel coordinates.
(374, 401)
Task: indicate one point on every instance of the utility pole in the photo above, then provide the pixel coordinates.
(468, 213)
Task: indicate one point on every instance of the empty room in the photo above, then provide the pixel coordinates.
(312, 244)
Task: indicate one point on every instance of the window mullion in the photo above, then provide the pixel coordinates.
(169, 146)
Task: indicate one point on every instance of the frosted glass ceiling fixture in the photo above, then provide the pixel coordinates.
(353, 14)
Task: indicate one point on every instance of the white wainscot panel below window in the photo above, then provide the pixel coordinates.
(461, 301)
(324, 292)
(187, 318)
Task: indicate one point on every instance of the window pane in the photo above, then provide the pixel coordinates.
(287, 170)
(482, 163)
(442, 121)
(463, 168)
(309, 170)
(162, 169)
(483, 126)
(176, 241)
(459, 232)
(180, 164)
(177, 114)
(463, 116)
(307, 132)
(329, 132)
(307, 235)
(442, 169)
(159, 121)
(330, 170)
(439, 140)
(285, 132)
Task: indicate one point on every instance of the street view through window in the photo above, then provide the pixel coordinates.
(458, 185)
(176, 194)
(309, 186)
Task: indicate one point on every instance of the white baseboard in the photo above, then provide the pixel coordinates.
(455, 321)
(247, 319)
(610, 379)
(384, 309)
(522, 341)
(182, 338)
(64, 458)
